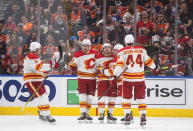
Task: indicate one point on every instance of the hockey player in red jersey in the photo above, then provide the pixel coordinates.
(34, 71)
(85, 64)
(102, 60)
(134, 58)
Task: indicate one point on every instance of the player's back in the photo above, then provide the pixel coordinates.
(135, 58)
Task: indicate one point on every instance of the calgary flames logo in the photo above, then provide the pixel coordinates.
(89, 64)
(106, 64)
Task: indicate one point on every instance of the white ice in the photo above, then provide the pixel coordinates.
(70, 123)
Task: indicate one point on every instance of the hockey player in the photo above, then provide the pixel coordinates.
(34, 72)
(84, 62)
(134, 58)
(109, 72)
(102, 60)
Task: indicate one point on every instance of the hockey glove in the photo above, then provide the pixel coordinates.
(157, 70)
(54, 64)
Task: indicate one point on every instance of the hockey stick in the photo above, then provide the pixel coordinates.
(166, 67)
(60, 52)
(33, 94)
(110, 85)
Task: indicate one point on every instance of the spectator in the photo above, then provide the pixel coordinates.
(49, 48)
(128, 25)
(117, 35)
(59, 13)
(145, 29)
(15, 12)
(32, 38)
(185, 47)
(15, 42)
(3, 48)
(161, 26)
(16, 66)
(185, 18)
(27, 26)
(50, 30)
(47, 15)
(76, 27)
(76, 14)
(155, 6)
(10, 26)
(61, 28)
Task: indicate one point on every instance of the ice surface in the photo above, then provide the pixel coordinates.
(70, 123)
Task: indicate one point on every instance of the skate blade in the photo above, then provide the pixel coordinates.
(127, 123)
(53, 123)
(81, 121)
(111, 122)
(132, 121)
(88, 121)
(101, 121)
(143, 125)
(122, 122)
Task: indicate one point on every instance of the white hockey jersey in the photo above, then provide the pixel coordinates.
(110, 70)
(134, 58)
(34, 68)
(103, 61)
(85, 64)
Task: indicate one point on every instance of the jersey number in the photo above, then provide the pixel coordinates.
(132, 62)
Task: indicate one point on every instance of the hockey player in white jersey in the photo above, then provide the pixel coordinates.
(109, 72)
(134, 58)
(85, 64)
(34, 72)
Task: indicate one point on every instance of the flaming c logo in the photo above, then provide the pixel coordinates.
(106, 64)
(89, 64)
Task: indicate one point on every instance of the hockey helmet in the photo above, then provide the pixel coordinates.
(34, 46)
(118, 47)
(106, 45)
(86, 42)
(129, 39)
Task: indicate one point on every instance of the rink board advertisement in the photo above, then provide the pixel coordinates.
(158, 92)
(62, 92)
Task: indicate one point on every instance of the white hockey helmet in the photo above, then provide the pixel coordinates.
(34, 46)
(118, 47)
(86, 42)
(129, 39)
(106, 45)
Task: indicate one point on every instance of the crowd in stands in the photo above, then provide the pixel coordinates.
(68, 22)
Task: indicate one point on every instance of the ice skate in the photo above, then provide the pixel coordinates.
(123, 120)
(131, 118)
(143, 120)
(49, 118)
(110, 118)
(101, 118)
(127, 119)
(82, 118)
(88, 119)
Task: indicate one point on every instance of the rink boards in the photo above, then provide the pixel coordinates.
(165, 97)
